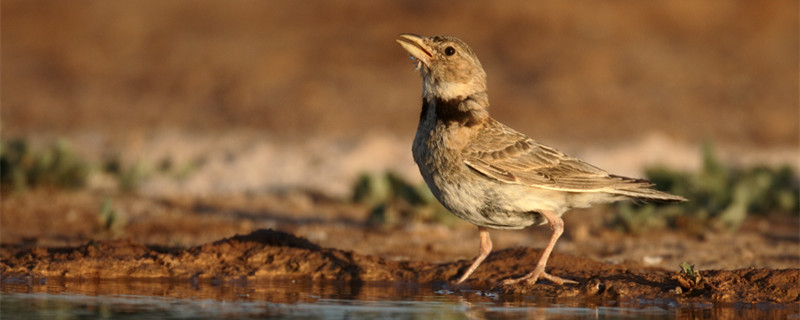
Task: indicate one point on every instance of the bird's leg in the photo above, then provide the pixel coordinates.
(557, 225)
(486, 248)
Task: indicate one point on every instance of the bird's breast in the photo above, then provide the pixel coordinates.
(437, 151)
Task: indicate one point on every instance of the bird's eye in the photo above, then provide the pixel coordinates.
(450, 51)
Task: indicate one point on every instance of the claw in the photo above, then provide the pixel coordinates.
(533, 277)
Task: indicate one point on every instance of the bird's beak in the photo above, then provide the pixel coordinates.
(416, 47)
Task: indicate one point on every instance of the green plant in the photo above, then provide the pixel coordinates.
(110, 221)
(720, 197)
(393, 200)
(22, 167)
(690, 280)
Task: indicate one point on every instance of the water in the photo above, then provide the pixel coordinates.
(20, 299)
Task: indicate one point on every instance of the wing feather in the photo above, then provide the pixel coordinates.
(506, 155)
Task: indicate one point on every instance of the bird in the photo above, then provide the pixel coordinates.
(489, 174)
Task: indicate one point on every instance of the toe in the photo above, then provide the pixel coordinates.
(557, 280)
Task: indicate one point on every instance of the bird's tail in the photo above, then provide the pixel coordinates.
(641, 189)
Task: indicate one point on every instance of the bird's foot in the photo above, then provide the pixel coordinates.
(451, 287)
(456, 286)
(531, 278)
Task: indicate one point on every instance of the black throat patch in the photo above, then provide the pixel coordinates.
(447, 111)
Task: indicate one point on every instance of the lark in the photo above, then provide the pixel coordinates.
(490, 174)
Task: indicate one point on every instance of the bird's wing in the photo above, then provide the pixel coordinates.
(504, 154)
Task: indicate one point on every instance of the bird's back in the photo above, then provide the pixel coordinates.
(505, 155)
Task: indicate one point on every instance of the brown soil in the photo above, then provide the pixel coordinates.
(269, 254)
(169, 239)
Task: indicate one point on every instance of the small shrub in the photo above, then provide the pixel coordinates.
(22, 167)
(110, 222)
(720, 197)
(393, 200)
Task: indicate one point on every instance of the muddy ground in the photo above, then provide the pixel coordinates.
(305, 237)
(269, 254)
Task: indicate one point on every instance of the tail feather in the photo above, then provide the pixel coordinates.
(649, 194)
(641, 189)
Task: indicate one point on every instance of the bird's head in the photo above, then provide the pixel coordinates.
(450, 69)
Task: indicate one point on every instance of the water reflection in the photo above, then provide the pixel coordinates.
(158, 299)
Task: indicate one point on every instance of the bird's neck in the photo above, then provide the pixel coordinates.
(433, 88)
(468, 111)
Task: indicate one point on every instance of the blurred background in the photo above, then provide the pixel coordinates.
(719, 70)
(180, 122)
(146, 80)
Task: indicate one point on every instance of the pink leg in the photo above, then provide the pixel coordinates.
(486, 248)
(557, 225)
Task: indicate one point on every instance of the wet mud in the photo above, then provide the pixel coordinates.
(269, 254)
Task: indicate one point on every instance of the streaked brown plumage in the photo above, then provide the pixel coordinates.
(489, 174)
